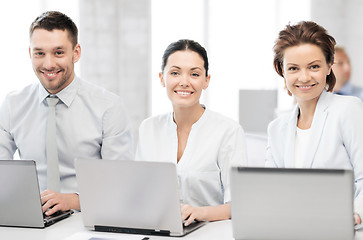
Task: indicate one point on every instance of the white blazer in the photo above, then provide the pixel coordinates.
(336, 139)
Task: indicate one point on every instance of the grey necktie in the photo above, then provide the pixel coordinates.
(53, 179)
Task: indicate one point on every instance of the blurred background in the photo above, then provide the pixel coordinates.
(122, 43)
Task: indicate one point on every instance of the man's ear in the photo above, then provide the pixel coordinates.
(76, 53)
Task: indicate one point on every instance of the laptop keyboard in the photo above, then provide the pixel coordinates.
(46, 217)
(193, 225)
(55, 217)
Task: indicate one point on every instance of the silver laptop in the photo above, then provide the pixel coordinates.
(281, 203)
(130, 197)
(20, 204)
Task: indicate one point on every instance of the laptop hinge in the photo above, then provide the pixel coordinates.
(132, 230)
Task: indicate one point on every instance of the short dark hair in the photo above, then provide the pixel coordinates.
(51, 20)
(340, 49)
(301, 33)
(185, 44)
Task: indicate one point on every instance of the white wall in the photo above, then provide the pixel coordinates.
(116, 51)
(117, 43)
(343, 19)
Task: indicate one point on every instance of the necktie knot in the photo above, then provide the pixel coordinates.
(52, 101)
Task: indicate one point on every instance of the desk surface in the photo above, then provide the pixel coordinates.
(72, 229)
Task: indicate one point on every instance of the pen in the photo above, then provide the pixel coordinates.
(145, 238)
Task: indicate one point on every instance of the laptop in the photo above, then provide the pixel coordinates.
(130, 197)
(283, 203)
(20, 204)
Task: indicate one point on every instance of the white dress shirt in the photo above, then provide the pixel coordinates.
(350, 90)
(214, 144)
(335, 141)
(90, 123)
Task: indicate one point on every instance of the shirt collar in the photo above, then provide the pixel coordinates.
(322, 105)
(347, 89)
(67, 95)
(200, 120)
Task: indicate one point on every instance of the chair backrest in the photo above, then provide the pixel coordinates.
(256, 149)
(257, 109)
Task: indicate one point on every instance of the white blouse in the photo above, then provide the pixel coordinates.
(301, 146)
(215, 143)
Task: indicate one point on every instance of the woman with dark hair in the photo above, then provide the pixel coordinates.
(324, 130)
(202, 143)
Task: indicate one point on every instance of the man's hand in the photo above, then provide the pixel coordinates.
(54, 201)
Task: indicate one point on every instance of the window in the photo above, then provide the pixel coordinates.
(15, 19)
(239, 37)
(172, 20)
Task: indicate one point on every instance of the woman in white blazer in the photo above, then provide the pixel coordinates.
(203, 144)
(324, 130)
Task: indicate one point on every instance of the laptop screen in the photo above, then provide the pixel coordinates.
(19, 194)
(281, 203)
(129, 194)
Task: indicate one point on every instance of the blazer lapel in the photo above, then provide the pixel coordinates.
(289, 142)
(317, 128)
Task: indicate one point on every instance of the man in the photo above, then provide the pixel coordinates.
(89, 121)
(342, 70)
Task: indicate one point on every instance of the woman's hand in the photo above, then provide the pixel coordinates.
(207, 213)
(190, 214)
(357, 219)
